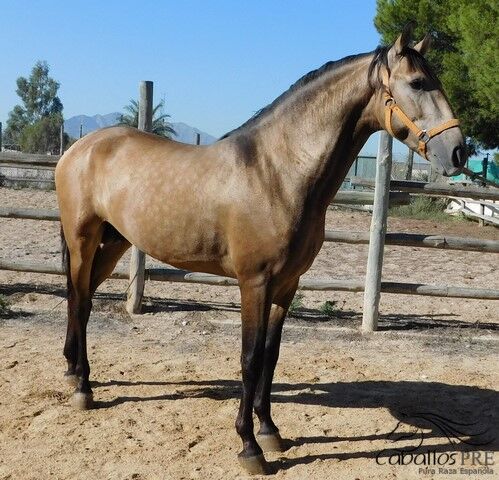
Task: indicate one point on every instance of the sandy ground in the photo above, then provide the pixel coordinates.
(167, 381)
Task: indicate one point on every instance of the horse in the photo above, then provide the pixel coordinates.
(250, 206)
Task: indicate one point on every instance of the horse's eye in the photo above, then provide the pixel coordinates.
(417, 84)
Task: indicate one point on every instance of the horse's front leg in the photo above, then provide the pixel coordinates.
(268, 435)
(255, 307)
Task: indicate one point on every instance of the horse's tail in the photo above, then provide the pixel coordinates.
(66, 262)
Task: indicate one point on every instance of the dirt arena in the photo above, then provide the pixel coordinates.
(167, 382)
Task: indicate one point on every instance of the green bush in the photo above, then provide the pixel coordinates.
(422, 208)
(328, 308)
(296, 303)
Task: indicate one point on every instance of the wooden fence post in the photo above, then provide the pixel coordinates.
(372, 290)
(409, 165)
(61, 139)
(138, 259)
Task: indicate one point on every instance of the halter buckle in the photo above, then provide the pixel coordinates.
(424, 137)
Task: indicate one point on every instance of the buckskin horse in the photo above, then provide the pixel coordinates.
(250, 206)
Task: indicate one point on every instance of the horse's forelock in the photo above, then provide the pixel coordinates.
(380, 59)
(419, 63)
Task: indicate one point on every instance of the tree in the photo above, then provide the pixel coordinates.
(464, 55)
(42, 136)
(160, 124)
(35, 125)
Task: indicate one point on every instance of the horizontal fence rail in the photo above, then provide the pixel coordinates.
(36, 160)
(29, 213)
(409, 186)
(417, 240)
(481, 178)
(352, 197)
(398, 239)
(27, 170)
(362, 238)
(465, 210)
(162, 274)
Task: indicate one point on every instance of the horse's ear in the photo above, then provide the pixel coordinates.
(402, 42)
(424, 45)
(404, 38)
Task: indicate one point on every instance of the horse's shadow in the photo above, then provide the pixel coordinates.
(457, 417)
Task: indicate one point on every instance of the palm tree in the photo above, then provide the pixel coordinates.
(160, 124)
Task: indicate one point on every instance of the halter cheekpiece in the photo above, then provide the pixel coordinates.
(423, 135)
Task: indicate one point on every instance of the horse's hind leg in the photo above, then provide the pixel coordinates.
(99, 249)
(110, 250)
(268, 435)
(82, 246)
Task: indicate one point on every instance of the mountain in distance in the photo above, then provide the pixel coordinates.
(89, 124)
(185, 133)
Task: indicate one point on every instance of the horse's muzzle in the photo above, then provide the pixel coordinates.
(459, 158)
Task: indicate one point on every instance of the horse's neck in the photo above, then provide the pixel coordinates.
(313, 139)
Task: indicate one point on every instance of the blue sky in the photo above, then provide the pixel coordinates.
(215, 62)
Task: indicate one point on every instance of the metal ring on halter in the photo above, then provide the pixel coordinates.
(389, 101)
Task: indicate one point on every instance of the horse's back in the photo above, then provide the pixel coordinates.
(117, 158)
(108, 144)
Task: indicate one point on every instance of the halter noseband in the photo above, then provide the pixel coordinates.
(424, 136)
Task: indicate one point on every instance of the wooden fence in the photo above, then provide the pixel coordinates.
(22, 169)
(373, 285)
(159, 273)
(486, 198)
(16, 162)
(382, 187)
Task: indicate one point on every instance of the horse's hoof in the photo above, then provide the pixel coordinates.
(271, 442)
(256, 465)
(71, 379)
(82, 401)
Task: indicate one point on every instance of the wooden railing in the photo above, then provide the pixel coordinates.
(386, 192)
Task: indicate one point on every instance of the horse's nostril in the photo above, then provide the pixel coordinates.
(459, 156)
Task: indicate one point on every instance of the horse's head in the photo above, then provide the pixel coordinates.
(412, 107)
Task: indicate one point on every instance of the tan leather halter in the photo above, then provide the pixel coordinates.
(423, 135)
